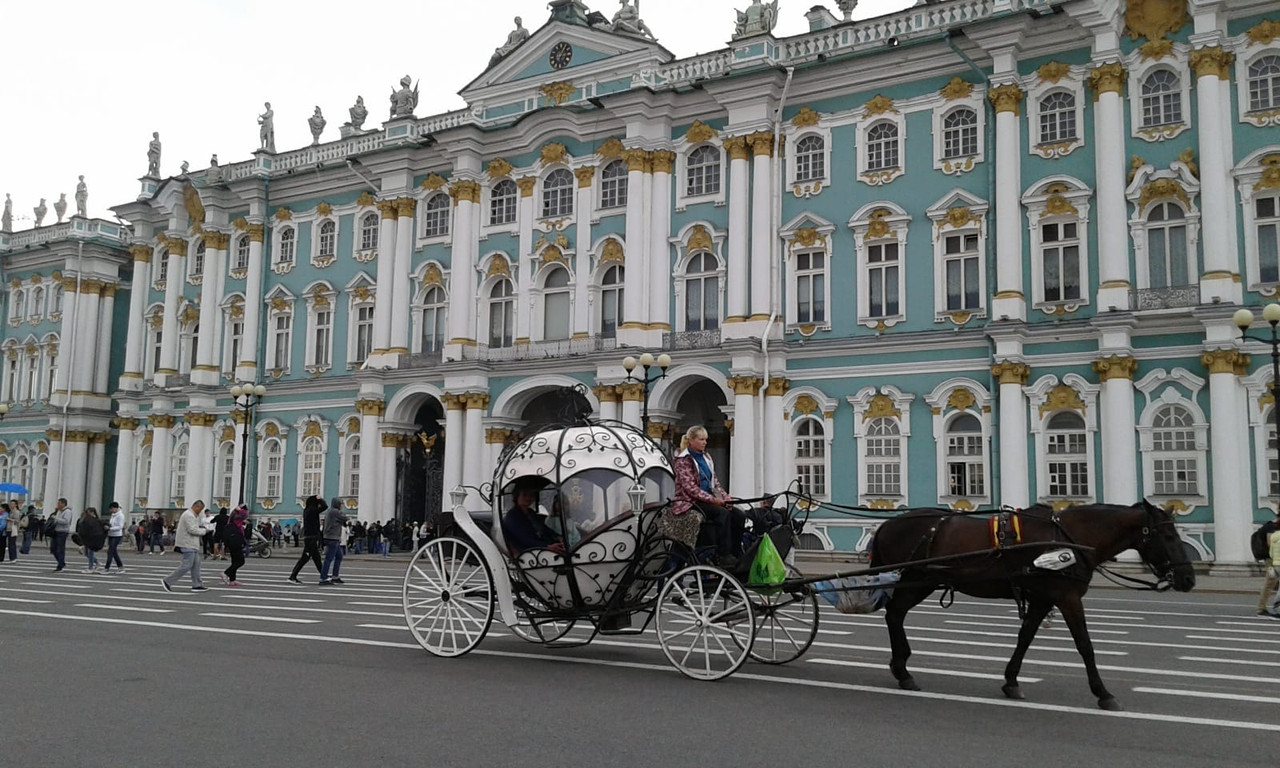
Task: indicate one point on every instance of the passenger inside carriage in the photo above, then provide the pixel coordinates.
(523, 528)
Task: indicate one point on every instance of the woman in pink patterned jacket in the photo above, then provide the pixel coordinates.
(697, 488)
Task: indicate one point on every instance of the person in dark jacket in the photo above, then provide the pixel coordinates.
(310, 537)
(33, 525)
(334, 521)
(220, 521)
(157, 534)
(234, 534)
(93, 536)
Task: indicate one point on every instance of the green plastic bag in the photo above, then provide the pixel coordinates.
(767, 568)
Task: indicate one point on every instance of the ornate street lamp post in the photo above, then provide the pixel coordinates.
(246, 397)
(646, 361)
(1244, 320)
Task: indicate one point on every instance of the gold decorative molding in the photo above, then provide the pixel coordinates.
(324, 209)
(313, 429)
(637, 160)
(1115, 367)
(878, 226)
(960, 216)
(1226, 361)
(631, 392)
(161, 420)
(585, 176)
(1154, 19)
(453, 402)
(1053, 71)
(808, 237)
(958, 88)
(553, 152)
(141, 253)
(777, 387)
(227, 434)
(881, 407)
(878, 105)
(1008, 372)
(806, 118)
(476, 401)
(611, 149)
(465, 191)
(216, 241)
(405, 207)
(552, 254)
(499, 266)
(1058, 205)
(1212, 60)
(433, 182)
(1107, 78)
(805, 405)
(256, 232)
(606, 393)
(1062, 398)
(387, 208)
(365, 199)
(526, 185)
(203, 420)
(352, 427)
(433, 276)
(1264, 32)
(700, 132)
(736, 147)
(557, 93)
(1006, 98)
(1188, 158)
(612, 252)
(1270, 173)
(747, 385)
(662, 160)
(279, 304)
(126, 424)
(1161, 189)
(362, 293)
(284, 214)
(962, 399)
(1156, 49)
(699, 240)
(498, 168)
(497, 435)
(761, 143)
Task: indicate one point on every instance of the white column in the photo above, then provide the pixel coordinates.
(522, 261)
(454, 442)
(1118, 428)
(1010, 301)
(161, 455)
(462, 266)
(75, 463)
(247, 368)
(388, 447)
(776, 436)
(238, 457)
(744, 443)
(369, 497)
(632, 403)
(608, 397)
(206, 370)
(739, 229)
(97, 468)
(172, 298)
(659, 254)
(581, 327)
(1109, 168)
(86, 345)
(402, 284)
(55, 484)
(386, 293)
(200, 458)
(1217, 196)
(125, 480)
(68, 343)
(1014, 467)
(1228, 430)
(475, 471)
(102, 332)
(635, 309)
(136, 339)
(761, 231)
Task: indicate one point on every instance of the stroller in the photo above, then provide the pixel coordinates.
(258, 545)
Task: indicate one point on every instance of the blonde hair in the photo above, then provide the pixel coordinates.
(692, 433)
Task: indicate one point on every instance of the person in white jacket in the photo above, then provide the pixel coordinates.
(115, 532)
(187, 542)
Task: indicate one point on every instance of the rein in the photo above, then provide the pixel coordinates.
(1129, 582)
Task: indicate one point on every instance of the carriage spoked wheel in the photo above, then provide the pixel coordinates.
(448, 597)
(705, 622)
(786, 623)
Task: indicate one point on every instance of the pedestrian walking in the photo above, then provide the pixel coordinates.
(115, 532)
(139, 535)
(29, 524)
(91, 535)
(17, 525)
(424, 534)
(187, 543)
(388, 534)
(335, 520)
(310, 537)
(1273, 569)
(5, 510)
(157, 534)
(234, 535)
(62, 529)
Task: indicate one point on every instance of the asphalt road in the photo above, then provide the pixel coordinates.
(102, 671)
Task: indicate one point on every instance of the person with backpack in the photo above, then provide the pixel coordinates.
(115, 533)
(31, 524)
(187, 543)
(335, 520)
(1259, 543)
(310, 537)
(57, 527)
(92, 535)
(234, 537)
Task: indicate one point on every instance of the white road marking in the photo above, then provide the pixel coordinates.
(23, 600)
(231, 593)
(1055, 628)
(378, 605)
(60, 584)
(1235, 639)
(124, 608)
(926, 670)
(1240, 662)
(1209, 695)
(249, 617)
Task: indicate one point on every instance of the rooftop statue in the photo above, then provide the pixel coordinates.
(846, 7)
(153, 156)
(405, 100)
(183, 168)
(316, 123)
(213, 160)
(6, 219)
(267, 129)
(358, 114)
(60, 207)
(82, 199)
(517, 36)
(758, 19)
(40, 210)
(628, 22)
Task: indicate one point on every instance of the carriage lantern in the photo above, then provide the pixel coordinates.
(1243, 319)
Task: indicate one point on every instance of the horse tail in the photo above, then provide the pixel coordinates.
(874, 550)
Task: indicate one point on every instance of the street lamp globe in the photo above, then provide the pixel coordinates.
(1243, 319)
(237, 391)
(4, 409)
(260, 390)
(664, 361)
(646, 360)
(629, 363)
(1271, 313)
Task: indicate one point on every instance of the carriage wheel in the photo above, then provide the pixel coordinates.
(448, 597)
(786, 623)
(705, 622)
(542, 632)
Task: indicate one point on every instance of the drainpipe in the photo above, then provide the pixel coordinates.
(775, 291)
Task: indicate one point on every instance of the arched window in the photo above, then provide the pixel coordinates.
(178, 478)
(19, 312)
(703, 172)
(37, 302)
(502, 315)
(328, 245)
(611, 298)
(557, 194)
(193, 347)
(312, 467)
(434, 310)
(369, 232)
(226, 467)
(1174, 453)
(966, 458)
(287, 245)
(502, 202)
(1264, 83)
(1068, 455)
(882, 146)
(351, 472)
(555, 305)
(31, 383)
(1058, 117)
(144, 474)
(435, 216)
(196, 269)
(613, 185)
(810, 456)
(1167, 246)
(884, 458)
(811, 158)
(322, 337)
(960, 133)
(242, 253)
(272, 476)
(1161, 99)
(702, 293)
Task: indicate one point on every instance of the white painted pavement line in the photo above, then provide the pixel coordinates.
(1235, 639)
(24, 600)
(207, 604)
(378, 605)
(824, 684)
(1092, 630)
(1260, 621)
(58, 583)
(1209, 695)
(250, 617)
(232, 593)
(1240, 662)
(138, 608)
(926, 670)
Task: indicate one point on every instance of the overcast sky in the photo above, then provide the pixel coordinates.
(85, 82)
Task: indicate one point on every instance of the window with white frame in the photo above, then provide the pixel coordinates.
(144, 473)
(1058, 118)
(241, 260)
(362, 333)
(1174, 453)
(435, 216)
(37, 303)
(811, 456)
(327, 242)
(613, 185)
(50, 373)
(555, 305)
(882, 146)
(503, 199)
(55, 301)
(161, 265)
(281, 338)
(234, 343)
(961, 266)
(433, 320)
(369, 228)
(11, 377)
(1067, 449)
(811, 287)
(40, 477)
(1060, 256)
(1266, 226)
(883, 450)
(502, 314)
(1264, 83)
(191, 348)
(702, 293)
(557, 194)
(1167, 254)
(1273, 463)
(21, 466)
(178, 479)
(811, 157)
(312, 467)
(611, 301)
(272, 465)
(702, 172)
(1161, 99)
(31, 377)
(196, 268)
(18, 304)
(960, 133)
(225, 469)
(966, 465)
(351, 472)
(156, 348)
(321, 337)
(884, 279)
(288, 246)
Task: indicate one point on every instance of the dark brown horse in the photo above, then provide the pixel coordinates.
(1098, 531)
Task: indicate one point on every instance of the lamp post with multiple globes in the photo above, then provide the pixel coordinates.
(1243, 319)
(647, 361)
(246, 397)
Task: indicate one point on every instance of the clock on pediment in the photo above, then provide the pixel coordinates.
(560, 56)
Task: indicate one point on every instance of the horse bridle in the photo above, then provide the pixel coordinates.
(1164, 580)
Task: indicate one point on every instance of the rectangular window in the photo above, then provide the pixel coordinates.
(227, 469)
(353, 474)
(324, 335)
(882, 279)
(966, 471)
(364, 333)
(884, 466)
(811, 287)
(274, 470)
(237, 337)
(282, 334)
(1266, 218)
(555, 316)
(1060, 250)
(962, 273)
(1068, 468)
(1176, 477)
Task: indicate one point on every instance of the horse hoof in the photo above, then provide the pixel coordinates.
(908, 684)
(1110, 704)
(1012, 691)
